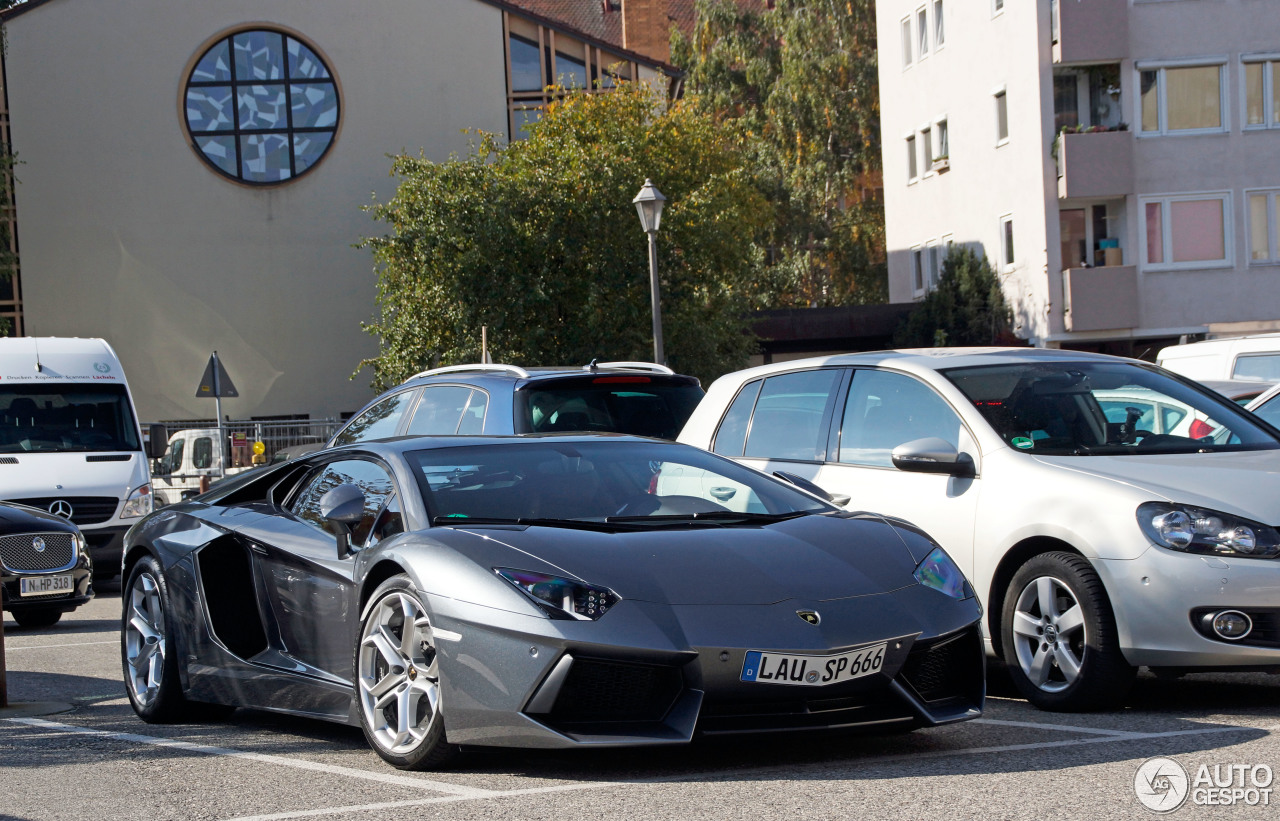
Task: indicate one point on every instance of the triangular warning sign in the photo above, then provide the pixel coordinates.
(215, 382)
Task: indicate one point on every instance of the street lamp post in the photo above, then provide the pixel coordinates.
(649, 204)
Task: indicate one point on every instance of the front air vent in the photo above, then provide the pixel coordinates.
(38, 552)
(597, 690)
(8, 460)
(108, 457)
(945, 668)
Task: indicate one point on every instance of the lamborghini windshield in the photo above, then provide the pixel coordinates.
(1092, 408)
(605, 480)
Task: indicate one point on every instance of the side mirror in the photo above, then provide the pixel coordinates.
(344, 507)
(838, 499)
(933, 455)
(157, 441)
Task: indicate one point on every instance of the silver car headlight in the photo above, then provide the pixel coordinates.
(138, 503)
(1198, 530)
(562, 597)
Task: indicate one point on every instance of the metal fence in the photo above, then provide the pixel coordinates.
(275, 434)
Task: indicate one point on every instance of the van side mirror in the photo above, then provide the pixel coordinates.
(343, 506)
(837, 499)
(933, 455)
(157, 441)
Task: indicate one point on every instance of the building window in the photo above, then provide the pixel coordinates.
(542, 63)
(912, 171)
(1186, 231)
(917, 271)
(939, 29)
(1262, 94)
(1006, 243)
(941, 141)
(1181, 99)
(261, 106)
(1264, 240)
(926, 142)
(997, 6)
(934, 261)
(1002, 117)
(907, 59)
(922, 30)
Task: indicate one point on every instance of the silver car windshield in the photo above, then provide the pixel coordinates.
(1105, 408)
(597, 481)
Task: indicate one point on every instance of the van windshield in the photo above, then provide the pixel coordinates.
(66, 417)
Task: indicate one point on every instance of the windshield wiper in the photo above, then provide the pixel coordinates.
(527, 521)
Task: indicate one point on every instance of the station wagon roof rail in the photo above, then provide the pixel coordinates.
(511, 369)
(634, 366)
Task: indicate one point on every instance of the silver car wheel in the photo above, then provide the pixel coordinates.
(398, 677)
(144, 642)
(1049, 634)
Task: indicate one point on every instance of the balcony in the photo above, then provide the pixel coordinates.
(1101, 299)
(1091, 31)
(1096, 164)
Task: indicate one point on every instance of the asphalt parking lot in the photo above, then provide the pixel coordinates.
(96, 760)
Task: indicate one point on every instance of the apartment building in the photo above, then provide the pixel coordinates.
(1112, 158)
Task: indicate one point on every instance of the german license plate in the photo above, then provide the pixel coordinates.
(812, 671)
(44, 585)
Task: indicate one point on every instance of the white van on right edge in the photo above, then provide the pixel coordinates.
(1251, 358)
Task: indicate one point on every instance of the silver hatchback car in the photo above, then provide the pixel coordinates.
(1110, 514)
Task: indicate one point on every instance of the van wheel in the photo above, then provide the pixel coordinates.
(1059, 636)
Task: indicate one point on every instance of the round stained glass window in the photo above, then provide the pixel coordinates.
(261, 106)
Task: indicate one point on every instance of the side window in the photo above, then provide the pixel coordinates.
(787, 423)
(732, 434)
(473, 416)
(389, 522)
(885, 410)
(379, 421)
(370, 477)
(1270, 411)
(172, 461)
(202, 453)
(439, 411)
(1265, 366)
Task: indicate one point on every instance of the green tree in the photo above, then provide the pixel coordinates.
(539, 241)
(800, 80)
(967, 308)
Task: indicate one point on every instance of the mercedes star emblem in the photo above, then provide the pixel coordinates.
(61, 508)
(810, 616)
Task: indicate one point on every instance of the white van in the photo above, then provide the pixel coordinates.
(70, 442)
(1253, 358)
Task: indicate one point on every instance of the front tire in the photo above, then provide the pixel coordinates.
(1059, 636)
(146, 648)
(398, 679)
(36, 617)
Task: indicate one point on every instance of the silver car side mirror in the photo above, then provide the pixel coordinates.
(932, 455)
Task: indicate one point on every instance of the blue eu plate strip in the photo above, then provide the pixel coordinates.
(751, 667)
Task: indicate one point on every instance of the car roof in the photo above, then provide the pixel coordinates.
(924, 360)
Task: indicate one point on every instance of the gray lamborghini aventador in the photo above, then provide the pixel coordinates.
(544, 591)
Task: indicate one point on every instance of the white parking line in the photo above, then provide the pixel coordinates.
(350, 772)
(1063, 728)
(1110, 737)
(10, 649)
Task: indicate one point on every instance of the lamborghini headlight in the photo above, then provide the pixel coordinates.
(1197, 530)
(942, 574)
(562, 597)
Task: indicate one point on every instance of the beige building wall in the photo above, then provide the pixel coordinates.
(1113, 174)
(169, 261)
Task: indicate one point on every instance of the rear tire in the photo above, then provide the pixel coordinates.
(33, 618)
(1060, 642)
(397, 679)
